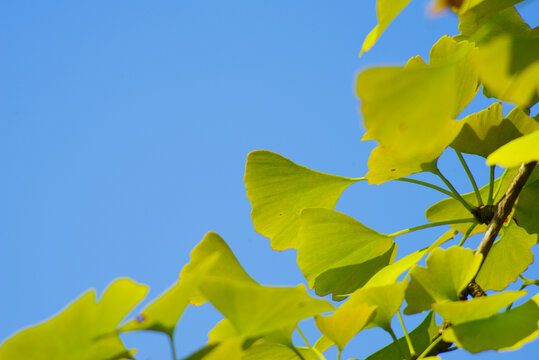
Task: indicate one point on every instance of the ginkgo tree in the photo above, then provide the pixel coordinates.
(413, 112)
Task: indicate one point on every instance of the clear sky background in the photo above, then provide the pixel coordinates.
(125, 126)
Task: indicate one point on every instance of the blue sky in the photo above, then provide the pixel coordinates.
(125, 126)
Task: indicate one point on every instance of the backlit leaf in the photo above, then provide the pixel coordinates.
(527, 207)
(86, 329)
(346, 322)
(411, 137)
(447, 273)
(509, 256)
(329, 240)
(522, 150)
(279, 189)
(507, 330)
(387, 298)
(420, 337)
(277, 351)
(256, 310)
(386, 11)
(458, 312)
(487, 130)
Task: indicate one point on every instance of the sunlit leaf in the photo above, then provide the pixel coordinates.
(329, 240)
(279, 189)
(387, 298)
(165, 311)
(86, 329)
(507, 330)
(487, 130)
(458, 312)
(509, 256)
(527, 207)
(447, 273)
(256, 310)
(522, 150)
(346, 322)
(277, 351)
(386, 11)
(227, 266)
(390, 273)
(323, 343)
(420, 337)
(412, 136)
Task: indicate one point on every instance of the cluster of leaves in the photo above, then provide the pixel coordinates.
(411, 111)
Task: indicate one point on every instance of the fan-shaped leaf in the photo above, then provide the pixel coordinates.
(522, 150)
(346, 322)
(507, 330)
(527, 207)
(487, 130)
(509, 256)
(278, 351)
(279, 189)
(329, 240)
(86, 329)
(256, 310)
(447, 273)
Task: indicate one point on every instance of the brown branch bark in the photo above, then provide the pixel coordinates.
(503, 209)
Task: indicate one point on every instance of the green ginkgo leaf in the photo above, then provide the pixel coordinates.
(522, 150)
(386, 11)
(527, 207)
(329, 240)
(86, 329)
(164, 312)
(420, 337)
(387, 298)
(509, 256)
(502, 331)
(447, 273)
(346, 322)
(487, 130)
(458, 312)
(390, 273)
(509, 66)
(226, 265)
(412, 137)
(255, 310)
(279, 189)
(451, 209)
(278, 351)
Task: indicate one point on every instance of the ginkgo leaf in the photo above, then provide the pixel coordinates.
(329, 240)
(165, 311)
(420, 337)
(279, 189)
(387, 298)
(346, 322)
(278, 351)
(522, 150)
(226, 266)
(458, 312)
(86, 329)
(487, 130)
(323, 343)
(451, 209)
(447, 273)
(411, 137)
(256, 310)
(509, 66)
(507, 330)
(509, 256)
(386, 11)
(527, 207)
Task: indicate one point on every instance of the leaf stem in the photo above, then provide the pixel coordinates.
(456, 195)
(172, 346)
(490, 199)
(396, 341)
(467, 234)
(426, 184)
(429, 348)
(429, 225)
(406, 336)
(499, 187)
(316, 352)
(470, 176)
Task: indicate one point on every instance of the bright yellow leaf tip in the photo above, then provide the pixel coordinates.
(521, 150)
